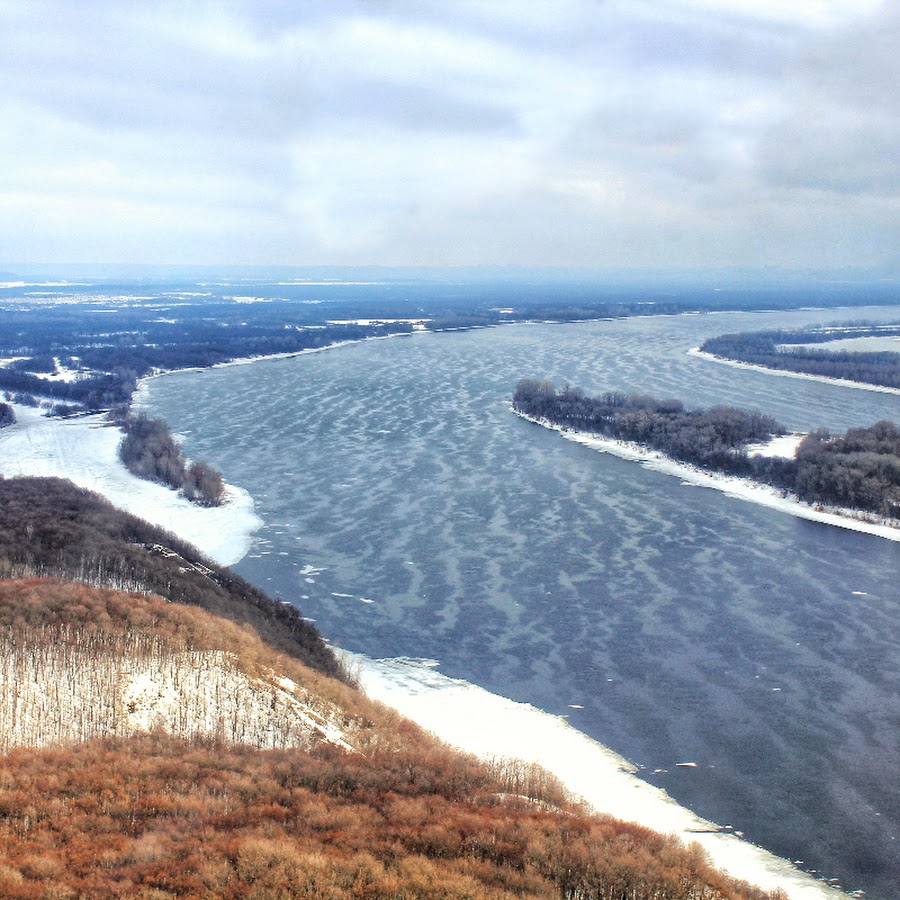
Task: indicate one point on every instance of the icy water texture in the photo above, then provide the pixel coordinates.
(409, 512)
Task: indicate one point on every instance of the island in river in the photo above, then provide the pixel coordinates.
(856, 474)
(860, 353)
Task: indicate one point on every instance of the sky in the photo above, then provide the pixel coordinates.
(630, 134)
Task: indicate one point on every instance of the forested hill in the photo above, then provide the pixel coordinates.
(151, 749)
(50, 527)
(859, 470)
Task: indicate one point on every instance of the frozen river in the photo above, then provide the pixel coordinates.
(410, 513)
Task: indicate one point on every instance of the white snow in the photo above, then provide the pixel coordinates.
(85, 450)
(871, 344)
(367, 322)
(741, 488)
(840, 382)
(783, 445)
(490, 726)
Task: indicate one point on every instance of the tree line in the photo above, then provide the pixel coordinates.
(149, 451)
(50, 527)
(712, 438)
(782, 350)
(90, 393)
(858, 470)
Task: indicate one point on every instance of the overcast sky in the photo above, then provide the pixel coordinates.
(624, 133)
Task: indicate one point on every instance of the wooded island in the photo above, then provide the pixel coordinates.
(858, 470)
(790, 351)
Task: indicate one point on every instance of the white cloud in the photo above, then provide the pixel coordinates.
(810, 13)
(392, 131)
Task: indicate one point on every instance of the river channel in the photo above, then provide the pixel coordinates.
(410, 513)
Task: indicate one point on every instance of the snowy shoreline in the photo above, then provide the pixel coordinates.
(84, 450)
(823, 379)
(494, 727)
(741, 488)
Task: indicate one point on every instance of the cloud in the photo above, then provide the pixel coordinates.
(805, 13)
(843, 126)
(380, 131)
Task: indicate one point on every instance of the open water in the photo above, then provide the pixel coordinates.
(410, 513)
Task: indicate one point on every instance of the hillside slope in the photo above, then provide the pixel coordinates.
(180, 801)
(78, 662)
(50, 527)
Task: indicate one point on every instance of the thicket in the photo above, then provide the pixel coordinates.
(859, 470)
(48, 526)
(713, 438)
(774, 350)
(149, 451)
(41, 364)
(7, 416)
(36, 612)
(92, 392)
(156, 817)
(78, 662)
(24, 399)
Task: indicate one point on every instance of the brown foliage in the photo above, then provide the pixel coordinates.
(156, 816)
(79, 640)
(50, 527)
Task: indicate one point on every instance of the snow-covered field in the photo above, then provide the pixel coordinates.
(85, 450)
(463, 714)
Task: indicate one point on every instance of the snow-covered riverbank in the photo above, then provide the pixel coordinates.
(492, 727)
(84, 450)
(840, 382)
(742, 488)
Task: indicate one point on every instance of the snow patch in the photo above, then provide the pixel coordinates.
(85, 450)
(781, 445)
(491, 726)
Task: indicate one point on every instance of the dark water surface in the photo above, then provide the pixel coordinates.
(691, 626)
